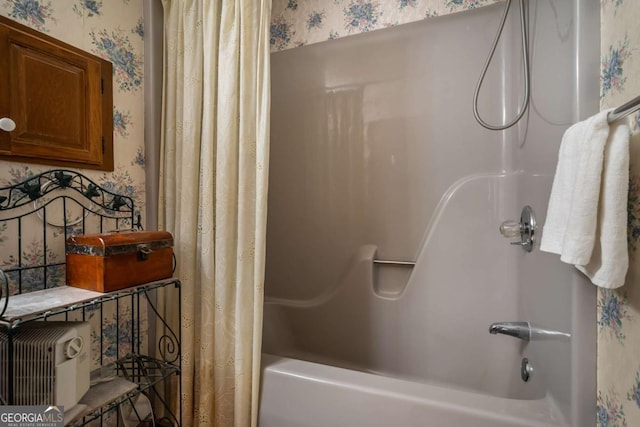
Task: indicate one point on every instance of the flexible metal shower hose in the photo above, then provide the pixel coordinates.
(525, 59)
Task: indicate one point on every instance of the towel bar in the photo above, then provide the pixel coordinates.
(624, 110)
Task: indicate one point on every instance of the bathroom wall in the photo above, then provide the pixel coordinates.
(619, 311)
(112, 30)
(299, 22)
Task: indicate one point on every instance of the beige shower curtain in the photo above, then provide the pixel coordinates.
(213, 194)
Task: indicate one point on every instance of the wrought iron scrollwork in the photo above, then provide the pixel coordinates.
(168, 343)
(4, 292)
(32, 189)
(117, 203)
(91, 191)
(39, 185)
(168, 348)
(63, 179)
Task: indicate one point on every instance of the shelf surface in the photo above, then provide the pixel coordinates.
(39, 304)
(98, 396)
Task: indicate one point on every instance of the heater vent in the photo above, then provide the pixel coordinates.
(51, 363)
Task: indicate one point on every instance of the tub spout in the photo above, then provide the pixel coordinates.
(526, 332)
(521, 330)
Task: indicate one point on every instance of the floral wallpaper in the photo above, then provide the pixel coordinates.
(619, 310)
(299, 22)
(113, 30)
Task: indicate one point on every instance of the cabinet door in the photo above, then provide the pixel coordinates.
(60, 98)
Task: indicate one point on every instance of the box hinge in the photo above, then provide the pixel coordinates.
(102, 85)
(103, 147)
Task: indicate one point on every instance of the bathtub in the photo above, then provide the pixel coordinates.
(296, 393)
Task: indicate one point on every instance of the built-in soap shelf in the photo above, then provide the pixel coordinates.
(394, 263)
(390, 277)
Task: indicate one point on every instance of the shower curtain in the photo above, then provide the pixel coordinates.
(213, 193)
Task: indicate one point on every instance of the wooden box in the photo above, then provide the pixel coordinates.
(111, 261)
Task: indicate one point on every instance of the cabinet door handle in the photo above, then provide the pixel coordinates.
(7, 124)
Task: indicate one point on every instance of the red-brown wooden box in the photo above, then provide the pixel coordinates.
(111, 261)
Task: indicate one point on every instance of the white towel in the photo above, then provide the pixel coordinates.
(587, 216)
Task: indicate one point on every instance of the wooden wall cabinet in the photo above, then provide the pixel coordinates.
(59, 96)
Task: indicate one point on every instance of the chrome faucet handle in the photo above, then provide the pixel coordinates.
(525, 229)
(510, 228)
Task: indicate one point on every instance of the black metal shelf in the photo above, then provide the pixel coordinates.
(49, 207)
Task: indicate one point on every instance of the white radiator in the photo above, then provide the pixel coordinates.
(51, 363)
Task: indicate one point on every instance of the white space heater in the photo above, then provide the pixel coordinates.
(51, 363)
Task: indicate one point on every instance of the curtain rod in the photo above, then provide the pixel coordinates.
(624, 110)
